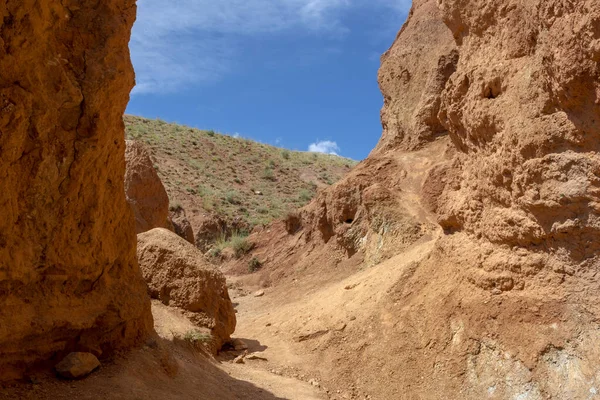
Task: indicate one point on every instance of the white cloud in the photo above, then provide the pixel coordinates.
(179, 43)
(324, 146)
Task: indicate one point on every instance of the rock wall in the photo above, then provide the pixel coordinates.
(69, 279)
(144, 190)
(412, 77)
(522, 109)
(506, 304)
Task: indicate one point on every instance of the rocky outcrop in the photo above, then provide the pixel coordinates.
(514, 276)
(520, 200)
(144, 190)
(412, 77)
(181, 225)
(69, 279)
(178, 276)
(528, 141)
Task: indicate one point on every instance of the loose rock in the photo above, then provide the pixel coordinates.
(77, 365)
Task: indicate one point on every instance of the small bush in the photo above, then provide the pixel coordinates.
(254, 265)
(268, 174)
(194, 336)
(232, 197)
(240, 245)
(210, 133)
(285, 154)
(215, 252)
(175, 207)
(305, 195)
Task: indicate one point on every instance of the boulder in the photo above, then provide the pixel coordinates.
(69, 278)
(77, 365)
(144, 189)
(178, 276)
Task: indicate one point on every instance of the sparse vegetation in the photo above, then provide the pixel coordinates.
(195, 336)
(254, 265)
(175, 206)
(268, 174)
(238, 242)
(236, 177)
(241, 245)
(304, 196)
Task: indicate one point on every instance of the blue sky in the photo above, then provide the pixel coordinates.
(300, 74)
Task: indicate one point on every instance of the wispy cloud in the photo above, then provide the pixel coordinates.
(324, 146)
(184, 42)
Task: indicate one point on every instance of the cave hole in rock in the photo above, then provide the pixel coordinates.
(492, 89)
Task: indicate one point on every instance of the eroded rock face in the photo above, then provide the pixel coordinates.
(514, 276)
(412, 76)
(523, 109)
(178, 276)
(69, 278)
(181, 225)
(144, 190)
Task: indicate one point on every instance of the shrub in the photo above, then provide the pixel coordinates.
(305, 195)
(268, 174)
(215, 252)
(254, 265)
(210, 133)
(232, 197)
(240, 245)
(285, 154)
(194, 336)
(175, 207)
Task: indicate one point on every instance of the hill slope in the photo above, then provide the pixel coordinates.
(236, 178)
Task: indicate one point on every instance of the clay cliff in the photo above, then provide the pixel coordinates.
(144, 190)
(483, 196)
(69, 278)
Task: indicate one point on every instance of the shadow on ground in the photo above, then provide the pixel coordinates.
(163, 371)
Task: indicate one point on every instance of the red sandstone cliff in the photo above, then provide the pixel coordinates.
(68, 272)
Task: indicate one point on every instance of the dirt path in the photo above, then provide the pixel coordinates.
(305, 329)
(292, 335)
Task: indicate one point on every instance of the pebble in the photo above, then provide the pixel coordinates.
(314, 382)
